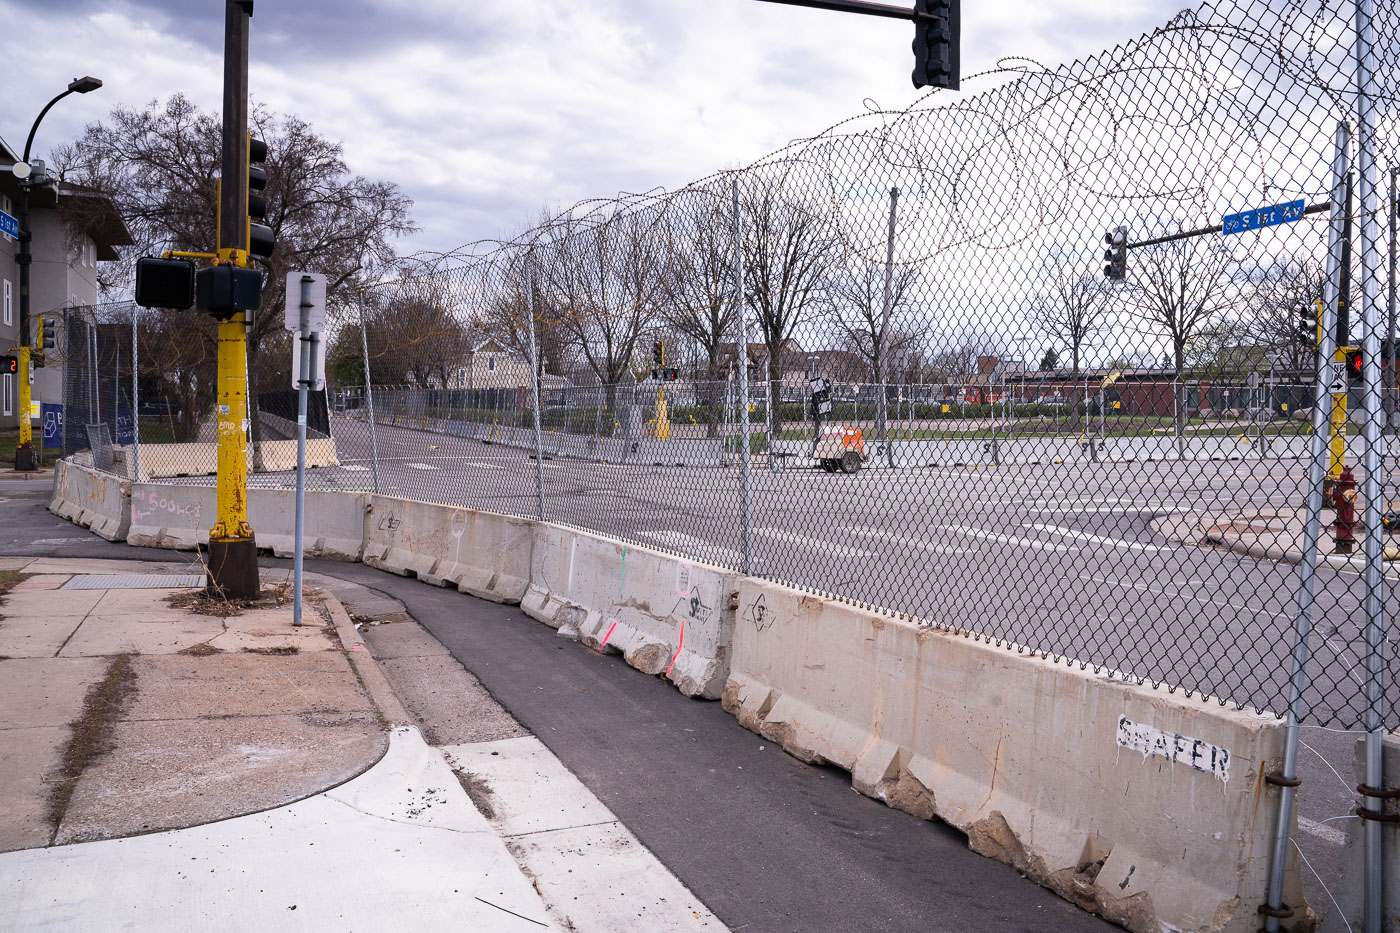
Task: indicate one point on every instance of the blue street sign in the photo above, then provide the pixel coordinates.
(1270, 216)
(8, 224)
(53, 424)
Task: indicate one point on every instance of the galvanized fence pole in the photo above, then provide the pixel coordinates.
(135, 396)
(741, 357)
(1372, 802)
(883, 349)
(369, 398)
(1287, 779)
(535, 390)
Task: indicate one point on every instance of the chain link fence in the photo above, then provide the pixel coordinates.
(886, 363)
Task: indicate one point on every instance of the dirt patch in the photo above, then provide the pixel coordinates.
(201, 650)
(91, 738)
(478, 790)
(203, 602)
(277, 651)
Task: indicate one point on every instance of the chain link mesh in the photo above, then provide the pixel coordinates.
(954, 415)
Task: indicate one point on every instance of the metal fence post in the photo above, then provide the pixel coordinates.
(369, 397)
(742, 362)
(535, 390)
(135, 397)
(1372, 492)
(881, 402)
(1307, 566)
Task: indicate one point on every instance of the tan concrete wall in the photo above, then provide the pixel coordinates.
(1149, 808)
(1350, 896)
(664, 614)
(481, 553)
(92, 499)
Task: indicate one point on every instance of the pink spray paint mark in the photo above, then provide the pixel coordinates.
(678, 649)
(607, 636)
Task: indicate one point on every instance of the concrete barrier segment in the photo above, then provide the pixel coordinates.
(91, 498)
(666, 615)
(481, 553)
(1147, 808)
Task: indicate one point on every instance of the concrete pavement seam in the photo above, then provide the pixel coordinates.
(381, 694)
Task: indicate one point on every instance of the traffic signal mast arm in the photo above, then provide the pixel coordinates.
(1215, 228)
(869, 9)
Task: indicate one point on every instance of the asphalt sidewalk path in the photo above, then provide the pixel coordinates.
(766, 842)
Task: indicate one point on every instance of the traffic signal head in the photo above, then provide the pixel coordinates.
(260, 239)
(936, 36)
(47, 335)
(658, 352)
(1354, 367)
(1308, 324)
(164, 283)
(223, 291)
(1116, 256)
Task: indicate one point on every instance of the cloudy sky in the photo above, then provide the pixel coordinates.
(485, 111)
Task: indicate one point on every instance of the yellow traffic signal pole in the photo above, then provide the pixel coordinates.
(1338, 459)
(26, 391)
(233, 553)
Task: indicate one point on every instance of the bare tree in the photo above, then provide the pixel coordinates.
(160, 163)
(1276, 294)
(1072, 310)
(699, 302)
(1180, 289)
(857, 295)
(789, 246)
(608, 278)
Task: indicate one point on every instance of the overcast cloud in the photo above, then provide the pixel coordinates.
(484, 111)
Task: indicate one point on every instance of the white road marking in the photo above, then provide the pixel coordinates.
(688, 544)
(422, 466)
(1009, 539)
(1323, 832)
(354, 468)
(1099, 539)
(1180, 592)
(906, 542)
(817, 543)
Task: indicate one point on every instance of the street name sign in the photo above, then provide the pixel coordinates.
(8, 225)
(1261, 217)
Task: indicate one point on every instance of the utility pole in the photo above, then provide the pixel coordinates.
(233, 552)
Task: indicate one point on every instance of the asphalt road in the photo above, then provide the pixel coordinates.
(1065, 558)
(768, 842)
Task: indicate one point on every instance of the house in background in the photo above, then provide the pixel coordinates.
(73, 228)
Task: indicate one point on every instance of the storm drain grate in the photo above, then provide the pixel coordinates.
(133, 581)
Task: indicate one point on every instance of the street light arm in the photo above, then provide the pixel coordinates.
(39, 119)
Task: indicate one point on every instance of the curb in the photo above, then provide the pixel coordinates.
(357, 653)
(1291, 555)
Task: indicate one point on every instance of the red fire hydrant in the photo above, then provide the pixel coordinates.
(1344, 501)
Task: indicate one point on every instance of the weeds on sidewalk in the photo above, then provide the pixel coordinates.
(91, 736)
(8, 579)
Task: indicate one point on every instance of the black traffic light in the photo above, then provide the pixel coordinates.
(1308, 327)
(260, 239)
(48, 338)
(672, 374)
(165, 283)
(936, 33)
(1354, 369)
(1116, 256)
(658, 353)
(223, 291)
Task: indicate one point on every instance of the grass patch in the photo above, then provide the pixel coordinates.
(8, 579)
(91, 738)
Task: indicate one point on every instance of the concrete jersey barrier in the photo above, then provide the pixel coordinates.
(93, 499)
(179, 517)
(1147, 808)
(665, 615)
(481, 553)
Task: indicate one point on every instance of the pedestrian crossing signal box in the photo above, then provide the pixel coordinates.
(9, 365)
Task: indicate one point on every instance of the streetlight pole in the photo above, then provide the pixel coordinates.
(25, 458)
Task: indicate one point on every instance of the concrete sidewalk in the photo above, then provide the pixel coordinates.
(141, 740)
(1272, 534)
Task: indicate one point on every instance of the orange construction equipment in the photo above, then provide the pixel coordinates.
(841, 449)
